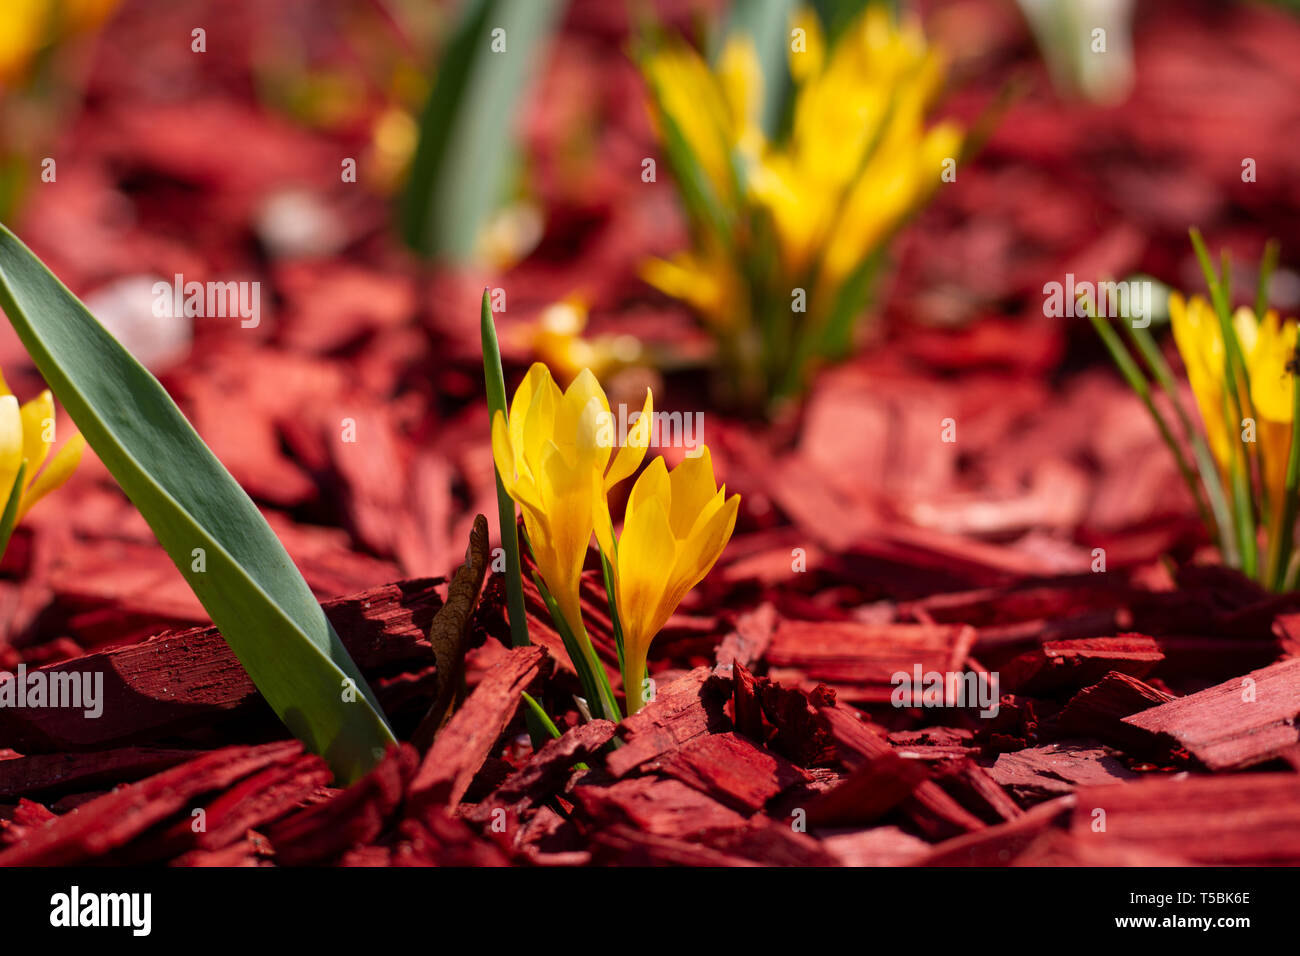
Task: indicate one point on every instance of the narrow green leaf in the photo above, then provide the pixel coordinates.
(495, 381)
(468, 123)
(608, 570)
(9, 518)
(495, 384)
(249, 586)
(543, 718)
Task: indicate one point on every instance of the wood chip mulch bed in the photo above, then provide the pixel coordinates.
(1148, 714)
(781, 749)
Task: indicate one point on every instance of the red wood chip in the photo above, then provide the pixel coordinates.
(730, 769)
(110, 821)
(1235, 724)
(462, 746)
(860, 660)
(1230, 820)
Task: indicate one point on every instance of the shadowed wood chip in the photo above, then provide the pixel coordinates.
(182, 681)
(353, 817)
(1077, 663)
(72, 773)
(929, 807)
(1099, 711)
(1057, 768)
(999, 845)
(545, 772)
(105, 823)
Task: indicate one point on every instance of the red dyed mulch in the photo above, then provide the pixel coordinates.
(1147, 714)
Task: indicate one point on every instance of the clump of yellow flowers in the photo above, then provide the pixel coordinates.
(558, 457)
(789, 229)
(1244, 463)
(26, 437)
(27, 26)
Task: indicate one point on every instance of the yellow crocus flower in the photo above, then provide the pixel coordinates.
(1266, 346)
(1200, 343)
(26, 436)
(676, 525)
(554, 459)
(857, 161)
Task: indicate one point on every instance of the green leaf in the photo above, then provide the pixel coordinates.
(543, 718)
(9, 517)
(467, 126)
(250, 587)
(495, 384)
(494, 379)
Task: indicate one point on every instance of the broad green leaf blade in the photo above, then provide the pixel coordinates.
(468, 124)
(248, 584)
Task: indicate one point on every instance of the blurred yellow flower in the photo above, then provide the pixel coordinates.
(676, 526)
(27, 26)
(1267, 347)
(26, 436)
(857, 161)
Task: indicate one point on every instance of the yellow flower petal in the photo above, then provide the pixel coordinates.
(60, 468)
(646, 553)
(632, 453)
(38, 421)
(11, 443)
(693, 486)
(807, 62)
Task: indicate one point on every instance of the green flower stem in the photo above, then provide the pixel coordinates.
(591, 672)
(633, 678)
